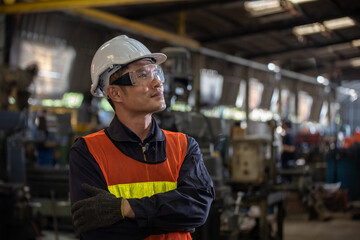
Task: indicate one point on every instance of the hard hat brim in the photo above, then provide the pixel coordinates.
(158, 57)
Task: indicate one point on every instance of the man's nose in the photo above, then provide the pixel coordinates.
(157, 80)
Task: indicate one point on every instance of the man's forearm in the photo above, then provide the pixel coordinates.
(127, 210)
(288, 148)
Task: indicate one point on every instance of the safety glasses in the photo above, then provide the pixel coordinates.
(141, 76)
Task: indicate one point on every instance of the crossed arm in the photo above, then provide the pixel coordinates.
(184, 208)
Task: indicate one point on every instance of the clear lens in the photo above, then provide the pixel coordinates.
(146, 74)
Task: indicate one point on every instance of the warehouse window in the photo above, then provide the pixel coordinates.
(304, 108)
(54, 63)
(274, 102)
(241, 96)
(324, 113)
(256, 89)
(211, 83)
(287, 103)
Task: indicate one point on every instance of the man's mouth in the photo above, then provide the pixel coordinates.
(157, 94)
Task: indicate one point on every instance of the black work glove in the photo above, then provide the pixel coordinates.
(100, 210)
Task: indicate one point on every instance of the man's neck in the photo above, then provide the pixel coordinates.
(140, 124)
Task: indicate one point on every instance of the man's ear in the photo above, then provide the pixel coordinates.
(114, 92)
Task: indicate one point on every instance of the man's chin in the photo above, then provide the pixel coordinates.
(162, 107)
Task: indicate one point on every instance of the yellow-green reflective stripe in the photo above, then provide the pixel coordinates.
(142, 189)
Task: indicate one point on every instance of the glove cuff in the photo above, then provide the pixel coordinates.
(115, 210)
(122, 208)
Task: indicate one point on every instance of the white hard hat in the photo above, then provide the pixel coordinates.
(109, 58)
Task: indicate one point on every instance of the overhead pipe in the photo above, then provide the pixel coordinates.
(182, 23)
(46, 6)
(79, 7)
(137, 28)
(255, 65)
(160, 35)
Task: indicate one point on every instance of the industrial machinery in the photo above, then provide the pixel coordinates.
(261, 206)
(32, 197)
(178, 84)
(242, 169)
(250, 157)
(27, 191)
(16, 220)
(14, 83)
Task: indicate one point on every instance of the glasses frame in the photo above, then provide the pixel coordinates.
(126, 79)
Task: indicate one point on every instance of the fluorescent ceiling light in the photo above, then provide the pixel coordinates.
(353, 95)
(355, 62)
(301, 1)
(327, 25)
(356, 43)
(322, 80)
(339, 23)
(263, 7)
(349, 91)
(273, 67)
(309, 29)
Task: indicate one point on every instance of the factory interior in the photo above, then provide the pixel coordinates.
(235, 72)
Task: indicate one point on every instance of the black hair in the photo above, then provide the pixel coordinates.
(287, 123)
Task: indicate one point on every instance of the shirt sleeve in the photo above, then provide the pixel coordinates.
(289, 139)
(184, 208)
(84, 169)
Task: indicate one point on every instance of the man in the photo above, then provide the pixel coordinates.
(288, 146)
(134, 180)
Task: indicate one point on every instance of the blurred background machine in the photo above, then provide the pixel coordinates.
(16, 211)
(258, 210)
(178, 75)
(242, 168)
(250, 157)
(241, 156)
(242, 161)
(14, 83)
(32, 195)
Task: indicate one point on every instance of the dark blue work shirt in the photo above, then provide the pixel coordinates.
(287, 157)
(184, 208)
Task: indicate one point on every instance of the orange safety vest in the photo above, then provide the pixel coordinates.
(128, 178)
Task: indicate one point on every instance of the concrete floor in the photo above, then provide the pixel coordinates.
(335, 229)
(342, 226)
(50, 235)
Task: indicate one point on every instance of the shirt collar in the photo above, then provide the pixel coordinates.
(120, 132)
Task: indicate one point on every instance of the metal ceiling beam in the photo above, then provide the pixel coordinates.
(78, 7)
(350, 73)
(256, 65)
(336, 74)
(274, 26)
(137, 28)
(49, 5)
(293, 49)
(160, 35)
(182, 23)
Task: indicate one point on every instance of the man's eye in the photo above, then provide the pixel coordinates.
(142, 75)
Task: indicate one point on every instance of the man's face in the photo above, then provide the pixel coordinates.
(144, 98)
